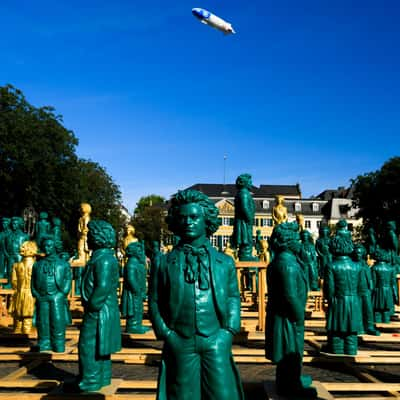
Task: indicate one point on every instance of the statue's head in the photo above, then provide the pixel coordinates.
(244, 180)
(258, 232)
(341, 245)
(279, 199)
(324, 231)
(17, 223)
(43, 215)
(391, 225)
(359, 252)
(285, 237)
(191, 207)
(341, 225)
(135, 249)
(306, 236)
(56, 221)
(156, 245)
(101, 235)
(28, 249)
(5, 222)
(48, 245)
(86, 208)
(129, 229)
(381, 255)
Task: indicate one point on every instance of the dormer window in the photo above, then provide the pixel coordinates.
(265, 204)
(297, 207)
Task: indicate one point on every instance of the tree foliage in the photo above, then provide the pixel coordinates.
(39, 167)
(377, 194)
(149, 220)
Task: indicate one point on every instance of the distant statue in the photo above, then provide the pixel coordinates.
(371, 242)
(384, 278)
(134, 289)
(342, 289)
(279, 212)
(229, 251)
(287, 296)
(308, 256)
(194, 305)
(13, 242)
(51, 284)
(322, 247)
(342, 228)
(5, 225)
(300, 222)
(155, 253)
(100, 333)
(42, 228)
(57, 234)
(262, 248)
(367, 311)
(391, 244)
(83, 249)
(242, 236)
(23, 303)
(128, 238)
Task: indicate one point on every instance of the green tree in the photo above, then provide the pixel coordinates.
(39, 167)
(377, 194)
(149, 220)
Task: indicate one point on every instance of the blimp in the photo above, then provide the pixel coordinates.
(212, 20)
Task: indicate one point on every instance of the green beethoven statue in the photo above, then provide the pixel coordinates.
(322, 248)
(134, 290)
(343, 287)
(100, 334)
(287, 296)
(13, 242)
(5, 225)
(51, 284)
(242, 236)
(308, 257)
(367, 311)
(384, 277)
(42, 228)
(195, 307)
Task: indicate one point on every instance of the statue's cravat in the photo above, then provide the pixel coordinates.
(196, 265)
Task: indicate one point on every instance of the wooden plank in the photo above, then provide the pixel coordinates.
(361, 386)
(28, 383)
(22, 370)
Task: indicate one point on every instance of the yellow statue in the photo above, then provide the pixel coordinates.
(279, 212)
(229, 251)
(263, 254)
(128, 239)
(83, 249)
(300, 222)
(23, 303)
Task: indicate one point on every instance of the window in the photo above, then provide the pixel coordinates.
(315, 207)
(307, 223)
(297, 207)
(214, 240)
(265, 204)
(225, 240)
(318, 224)
(226, 221)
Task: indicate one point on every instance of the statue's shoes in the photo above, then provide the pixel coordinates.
(139, 329)
(89, 387)
(373, 332)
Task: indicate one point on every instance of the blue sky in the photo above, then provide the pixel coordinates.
(306, 91)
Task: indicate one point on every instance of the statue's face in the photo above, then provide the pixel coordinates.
(15, 224)
(358, 254)
(191, 223)
(5, 223)
(49, 247)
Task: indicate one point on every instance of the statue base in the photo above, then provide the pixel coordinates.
(70, 391)
(270, 391)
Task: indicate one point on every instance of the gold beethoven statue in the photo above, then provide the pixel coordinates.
(300, 222)
(128, 239)
(229, 251)
(279, 212)
(83, 249)
(23, 303)
(263, 254)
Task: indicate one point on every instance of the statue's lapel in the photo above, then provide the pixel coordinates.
(175, 273)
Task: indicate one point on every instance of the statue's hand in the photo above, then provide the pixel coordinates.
(173, 340)
(224, 337)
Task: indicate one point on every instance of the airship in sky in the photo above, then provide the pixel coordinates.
(210, 19)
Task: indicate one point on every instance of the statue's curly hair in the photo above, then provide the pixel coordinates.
(193, 196)
(341, 245)
(360, 246)
(134, 249)
(381, 255)
(283, 234)
(244, 180)
(102, 232)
